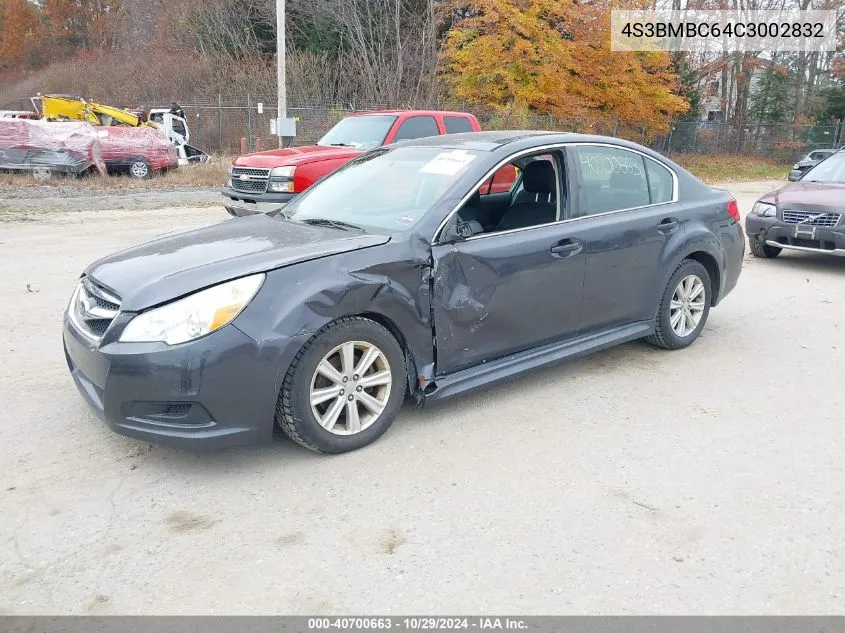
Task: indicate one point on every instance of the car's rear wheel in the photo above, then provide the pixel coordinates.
(140, 169)
(344, 388)
(759, 249)
(684, 306)
(42, 173)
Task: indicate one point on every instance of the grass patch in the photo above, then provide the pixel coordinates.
(712, 168)
(212, 174)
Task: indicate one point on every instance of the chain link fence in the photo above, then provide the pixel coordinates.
(219, 126)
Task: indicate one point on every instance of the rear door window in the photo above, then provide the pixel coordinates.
(417, 127)
(610, 179)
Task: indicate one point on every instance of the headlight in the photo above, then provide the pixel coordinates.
(764, 210)
(796, 166)
(230, 170)
(281, 179)
(282, 172)
(195, 315)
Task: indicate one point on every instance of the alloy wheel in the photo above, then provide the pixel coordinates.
(687, 305)
(350, 387)
(139, 169)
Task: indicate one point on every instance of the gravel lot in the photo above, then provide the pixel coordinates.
(75, 196)
(704, 481)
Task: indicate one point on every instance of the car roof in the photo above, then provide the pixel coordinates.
(482, 141)
(522, 139)
(415, 112)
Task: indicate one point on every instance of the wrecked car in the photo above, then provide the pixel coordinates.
(399, 274)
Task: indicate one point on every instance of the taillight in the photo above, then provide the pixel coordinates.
(733, 209)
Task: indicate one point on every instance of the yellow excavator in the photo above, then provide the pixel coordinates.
(69, 108)
(171, 120)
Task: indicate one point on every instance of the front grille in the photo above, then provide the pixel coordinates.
(811, 218)
(249, 186)
(93, 309)
(250, 180)
(250, 171)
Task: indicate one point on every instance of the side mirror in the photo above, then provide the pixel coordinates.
(794, 178)
(461, 230)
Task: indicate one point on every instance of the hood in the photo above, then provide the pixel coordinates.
(808, 195)
(177, 264)
(295, 156)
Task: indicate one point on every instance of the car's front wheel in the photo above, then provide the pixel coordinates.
(684, 306)
(344, 388)
(759, 249)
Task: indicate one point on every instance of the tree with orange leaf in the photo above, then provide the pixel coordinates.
(18, 34)
(80, 24)
(553, 56)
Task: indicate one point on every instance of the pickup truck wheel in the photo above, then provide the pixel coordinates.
(139, 169)
(344, 388)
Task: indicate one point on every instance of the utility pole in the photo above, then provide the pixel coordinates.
(280, 62)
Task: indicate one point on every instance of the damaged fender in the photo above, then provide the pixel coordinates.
(389, 284)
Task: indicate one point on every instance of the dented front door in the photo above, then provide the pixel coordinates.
(502, 293)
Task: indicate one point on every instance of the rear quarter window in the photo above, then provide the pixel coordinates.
(457, 124)
(660, 182)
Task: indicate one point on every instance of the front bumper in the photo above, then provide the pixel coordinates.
(800, 237)
(239, 203)
(214, 392)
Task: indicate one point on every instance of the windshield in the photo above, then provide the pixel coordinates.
(384, 190)
(361, 132)
(831, 170)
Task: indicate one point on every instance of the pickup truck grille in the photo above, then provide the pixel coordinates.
(811, 218)
(93, 309)
(249, 179)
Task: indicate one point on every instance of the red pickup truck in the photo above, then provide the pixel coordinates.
(263, 181)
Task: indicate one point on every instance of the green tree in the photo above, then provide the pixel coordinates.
(831, 104)
(770, 103)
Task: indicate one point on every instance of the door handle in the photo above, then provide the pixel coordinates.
(667, 225)
(566, 248)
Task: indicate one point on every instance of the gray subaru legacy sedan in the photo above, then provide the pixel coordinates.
(405, 273)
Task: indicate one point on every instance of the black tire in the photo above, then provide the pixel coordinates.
(759, 249)
(140, 169)
(293, 411)
(664, 336)
(42, 173)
